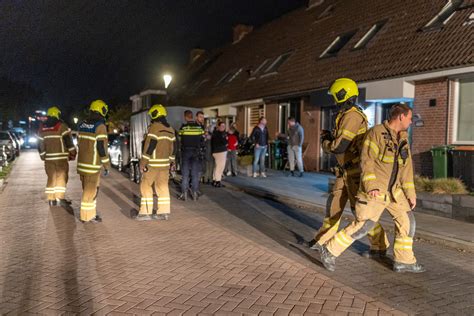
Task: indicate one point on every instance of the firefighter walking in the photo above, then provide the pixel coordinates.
(56, 148)
(93, 155)
(345, 143)
(387, 183)
(155, 165)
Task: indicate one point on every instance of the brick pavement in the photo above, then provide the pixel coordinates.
(52, 264)
(229, 255)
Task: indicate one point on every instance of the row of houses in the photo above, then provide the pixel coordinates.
(419, 52)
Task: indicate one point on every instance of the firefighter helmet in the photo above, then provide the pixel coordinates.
(156, 111)
(100, 107)
(343, 89)
(54, 111)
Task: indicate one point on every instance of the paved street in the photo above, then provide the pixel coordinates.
(228, 254)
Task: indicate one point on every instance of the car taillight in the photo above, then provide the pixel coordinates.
(126, 142)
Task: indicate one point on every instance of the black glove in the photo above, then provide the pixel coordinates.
(326, 135)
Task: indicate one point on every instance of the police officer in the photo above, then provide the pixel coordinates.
(345, 143)
(191, 140)
(56, 148)
(155, 165)
(93, 155)
(387, 183)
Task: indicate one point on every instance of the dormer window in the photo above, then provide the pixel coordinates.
(443, 16)
(337, 44)
(362, 43)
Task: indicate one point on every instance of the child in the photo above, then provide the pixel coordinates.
(232, 144)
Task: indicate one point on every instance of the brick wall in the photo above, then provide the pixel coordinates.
(271, 114)
(240, 119)
(310, 120)
(434, 131)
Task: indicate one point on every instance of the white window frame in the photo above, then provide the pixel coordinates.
(456, 107)
(337, 39)
(372, 32)
(277, 60)
(255, 73)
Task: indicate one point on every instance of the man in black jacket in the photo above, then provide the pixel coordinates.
(191, 139)
(259, 137)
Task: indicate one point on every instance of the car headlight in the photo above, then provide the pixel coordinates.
(32, 140)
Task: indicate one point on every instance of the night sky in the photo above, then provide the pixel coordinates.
(75, 51)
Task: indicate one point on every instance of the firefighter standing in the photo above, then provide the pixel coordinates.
(56, 148)
(93, 154)
(155, 165)
(387, 183)
(346, 142)
(192, 155)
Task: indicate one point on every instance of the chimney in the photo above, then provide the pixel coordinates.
(240, 31)
(195, 53)
(314, 3)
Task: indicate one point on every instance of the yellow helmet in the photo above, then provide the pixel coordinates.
(100, 107)
(54, 111)
(343, 89)
(156, 111)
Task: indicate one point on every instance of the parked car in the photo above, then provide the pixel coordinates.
(9, 143)
(119, 151)
(17, 143)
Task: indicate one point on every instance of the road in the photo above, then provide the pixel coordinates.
(228, 254)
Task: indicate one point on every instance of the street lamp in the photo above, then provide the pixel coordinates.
(75, 120)
(167, 79)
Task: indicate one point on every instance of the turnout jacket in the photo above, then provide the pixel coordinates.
(350, 128)
(55, 141)
(93, 147)
(386, 164)
(158, 151)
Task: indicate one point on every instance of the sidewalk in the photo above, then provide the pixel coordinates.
(310, 193)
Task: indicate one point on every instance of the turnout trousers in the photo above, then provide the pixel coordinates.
(90, 188)
(156, 179)
(57, 172)
(368, 212)
(345, 188)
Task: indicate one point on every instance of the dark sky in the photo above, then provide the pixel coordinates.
(75, 50)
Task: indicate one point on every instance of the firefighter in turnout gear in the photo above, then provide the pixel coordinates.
(345, 143)
(192, 154)
(56, 148)
(158, 154)
(387, 183)
(93, 154)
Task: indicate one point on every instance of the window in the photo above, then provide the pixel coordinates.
(234, 75)
(465, 112)
(254, 73)
(326, 13)
(362, 43)
(443, 16)
(225, 78)
(196, 87)
(273, 68)
(469, 20)
(337, 45)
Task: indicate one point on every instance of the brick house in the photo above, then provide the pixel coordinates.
(420, 52)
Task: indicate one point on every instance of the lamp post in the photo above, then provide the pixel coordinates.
(167, 79)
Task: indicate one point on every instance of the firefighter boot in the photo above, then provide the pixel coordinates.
(161, 217)
(143, 217)
(374, 254)
(327, 259)
(52, 203)
(96, 219)
(405, 267)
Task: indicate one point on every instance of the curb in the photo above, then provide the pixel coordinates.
(420, 233)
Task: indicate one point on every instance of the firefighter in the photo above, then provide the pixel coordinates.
(93, 155)
(56, 148)
(192, 154)
(387, 183)
(345, 143)
(155, 165)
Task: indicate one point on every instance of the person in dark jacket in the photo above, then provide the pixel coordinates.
(295, 136)
(259, 137)
(219, 152)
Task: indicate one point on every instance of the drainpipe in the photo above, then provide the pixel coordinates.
(447, 110)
